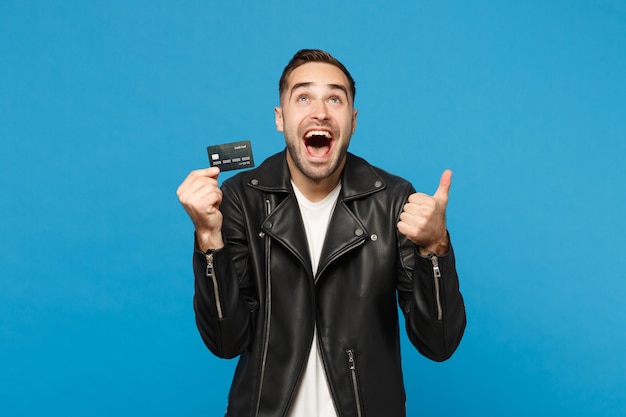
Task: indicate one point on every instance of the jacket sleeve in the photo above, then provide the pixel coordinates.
(224, 300)
(430, 299)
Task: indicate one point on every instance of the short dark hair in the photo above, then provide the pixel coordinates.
(304, 56)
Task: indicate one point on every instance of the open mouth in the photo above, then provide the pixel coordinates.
(318, 142)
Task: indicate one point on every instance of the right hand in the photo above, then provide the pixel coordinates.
(201, 197)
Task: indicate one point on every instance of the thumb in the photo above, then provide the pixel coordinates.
(212, 172)
(444, 186)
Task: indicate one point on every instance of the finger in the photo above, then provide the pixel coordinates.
(405, 228)
(192, 183)
(444, 186)
(409, 230)
(211, 172)
(421, 204)
(418, 198)
(202, 175)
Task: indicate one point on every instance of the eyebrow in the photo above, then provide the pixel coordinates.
(332, 87)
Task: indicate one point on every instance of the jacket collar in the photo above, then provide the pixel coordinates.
(358, 179)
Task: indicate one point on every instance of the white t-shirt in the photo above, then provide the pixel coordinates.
(313, 397)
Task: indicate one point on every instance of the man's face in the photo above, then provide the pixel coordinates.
(317, 117)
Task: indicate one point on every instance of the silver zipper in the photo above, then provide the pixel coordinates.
(268, 310)
(355, 381)
(210, 273)
(437, 274)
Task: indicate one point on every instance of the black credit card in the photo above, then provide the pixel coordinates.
(229, 156)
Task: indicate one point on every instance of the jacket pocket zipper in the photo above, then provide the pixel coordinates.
(210, 273)
(437, 278)
(355, 381)
(268, 309)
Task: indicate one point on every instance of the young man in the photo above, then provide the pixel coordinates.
(298, 263)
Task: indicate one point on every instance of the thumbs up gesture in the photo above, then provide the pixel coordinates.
(423, 220)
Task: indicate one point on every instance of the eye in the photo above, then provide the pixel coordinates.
(303, 98)
(335, 100)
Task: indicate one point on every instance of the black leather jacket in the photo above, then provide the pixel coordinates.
(257, 297)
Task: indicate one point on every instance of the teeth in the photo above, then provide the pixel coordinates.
(318, 133)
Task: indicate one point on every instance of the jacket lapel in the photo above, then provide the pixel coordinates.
(345, 232)
(284, 224)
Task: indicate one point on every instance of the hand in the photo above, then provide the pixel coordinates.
(201, 197)
(423, 220)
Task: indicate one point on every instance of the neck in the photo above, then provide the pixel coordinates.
(312, 189)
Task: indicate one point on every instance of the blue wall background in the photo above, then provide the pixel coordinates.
(105, 107)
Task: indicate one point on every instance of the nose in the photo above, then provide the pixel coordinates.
(320, 111)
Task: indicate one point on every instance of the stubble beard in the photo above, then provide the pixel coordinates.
(312, 172)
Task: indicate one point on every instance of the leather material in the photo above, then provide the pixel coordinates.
(271, 302)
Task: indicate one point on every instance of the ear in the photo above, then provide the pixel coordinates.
(354, 113)
(278, 115)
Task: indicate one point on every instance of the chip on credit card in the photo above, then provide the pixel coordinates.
(229, 156)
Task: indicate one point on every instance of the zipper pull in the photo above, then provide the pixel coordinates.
(437, 273)
(355, 382)
(435, 262)
(216, 288)
(209, 265)
(351, 363)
